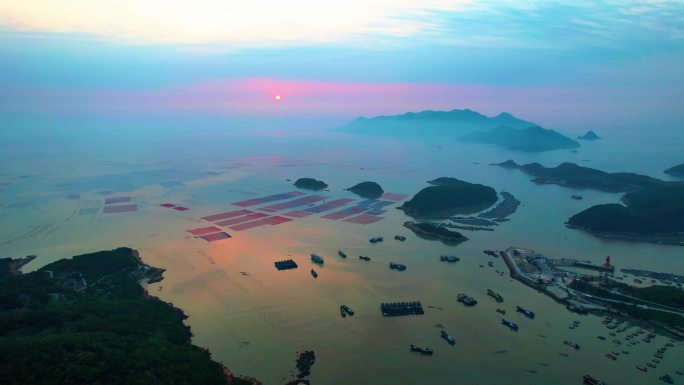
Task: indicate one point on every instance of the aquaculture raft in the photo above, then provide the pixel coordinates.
(395, 309)
(285, 265)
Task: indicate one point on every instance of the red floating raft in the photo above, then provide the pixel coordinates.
(215, 237)
(230, 214)
(270, 198)
(298, 214)
(204, 230)
(294, 203)
(344, 213)
(394, 197)
(246, 218)
(261, 222)
(364, 219)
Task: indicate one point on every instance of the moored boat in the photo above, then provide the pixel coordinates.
(527, 313)
(346, 310)
(510, 325)
(317, 259)
(466, 300)
(449, 258)
(494, 295)
(397, 266)
(451, 340)
(422, 350)
(572, 344)
(589, 380)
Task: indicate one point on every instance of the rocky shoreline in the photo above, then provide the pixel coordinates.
(431, 231)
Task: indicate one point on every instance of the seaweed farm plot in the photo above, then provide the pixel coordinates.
(394, 197)
(344, 213)
(370, 209)
(226, 215)
(507, 207)
(109, 201)
(120, 209)
(294, 203)
(267, 199)
(275, 220)
(327, 206)
(364, 219)
(215, 236)
(488, 220)
(242, 219)
(173, 206)
(204, 230)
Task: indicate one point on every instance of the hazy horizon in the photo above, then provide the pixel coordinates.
(580, 64)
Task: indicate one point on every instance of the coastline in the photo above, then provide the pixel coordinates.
(92, 306)
(455, 239)
(669, 240)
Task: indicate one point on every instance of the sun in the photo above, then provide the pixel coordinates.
(277, 97)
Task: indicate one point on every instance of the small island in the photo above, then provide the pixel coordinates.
(530, 139)
(449, 196)
(432, 123)
(368, 190)
(87, 320)
(430, 231)
(653, 214)
(652, 210)
(677, 170)
(310, 184)
(575, 176)
(589, 135)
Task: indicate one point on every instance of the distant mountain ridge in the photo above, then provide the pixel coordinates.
(530, 139)
(467, 125)
(441, 123)
(677, 170)
(575, 176)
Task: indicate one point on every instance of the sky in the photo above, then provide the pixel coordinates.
(559, 63)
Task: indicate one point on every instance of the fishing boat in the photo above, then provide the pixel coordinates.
(317, 259)
(510, 325)
(451, 340)
(422, 350)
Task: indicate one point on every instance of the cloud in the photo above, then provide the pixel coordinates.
(229, 22)
(500, 23)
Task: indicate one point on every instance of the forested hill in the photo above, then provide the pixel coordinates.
(87, 320)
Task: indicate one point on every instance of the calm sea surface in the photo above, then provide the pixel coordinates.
(255, 319)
